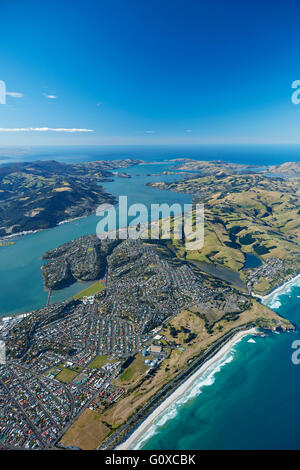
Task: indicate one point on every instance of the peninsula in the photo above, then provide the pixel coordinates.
(39, 195)
(85, 372)
(252, 227)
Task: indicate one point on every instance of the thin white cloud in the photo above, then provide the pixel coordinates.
(150, 132)
(14, 94)
(50, 97)
(188, 131)
(42, 129)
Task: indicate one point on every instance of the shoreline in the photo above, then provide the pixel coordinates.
(21, 234)
(136, 436)
(277, 290)
(14, 236)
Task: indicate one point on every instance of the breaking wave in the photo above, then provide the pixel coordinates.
(206, 379)
(273, 300)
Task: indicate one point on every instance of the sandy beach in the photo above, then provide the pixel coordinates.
(280, 289)
(133, 439)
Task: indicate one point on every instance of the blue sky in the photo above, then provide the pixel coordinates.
(149, 72)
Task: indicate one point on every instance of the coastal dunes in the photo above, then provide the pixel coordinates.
(178, 369)
(188, 339)
(157, 303)
(194, 313)
(135, 439)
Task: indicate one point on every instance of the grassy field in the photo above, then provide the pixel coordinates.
(177, 360)
(91, 290)
(66, 375)
(91, 427)
(86, 432)
(134, 371)
(99, 362)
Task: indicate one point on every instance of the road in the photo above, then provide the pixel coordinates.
(144, 412)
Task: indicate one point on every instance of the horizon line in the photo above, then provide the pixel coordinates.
(148, 144)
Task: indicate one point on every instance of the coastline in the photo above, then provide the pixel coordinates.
(13, 236)
(136, 436)
(278, 290)
(21, 234)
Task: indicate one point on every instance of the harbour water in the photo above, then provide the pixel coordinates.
(251, 398)
(21, 281)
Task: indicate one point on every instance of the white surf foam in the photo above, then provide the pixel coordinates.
(205, 380)
(273, 300)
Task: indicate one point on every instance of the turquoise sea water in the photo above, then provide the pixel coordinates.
(251, 399)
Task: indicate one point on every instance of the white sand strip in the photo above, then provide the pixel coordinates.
(281, 289)
(132, 441)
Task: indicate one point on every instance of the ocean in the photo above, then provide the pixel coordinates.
(250, 399)
(247, 154)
